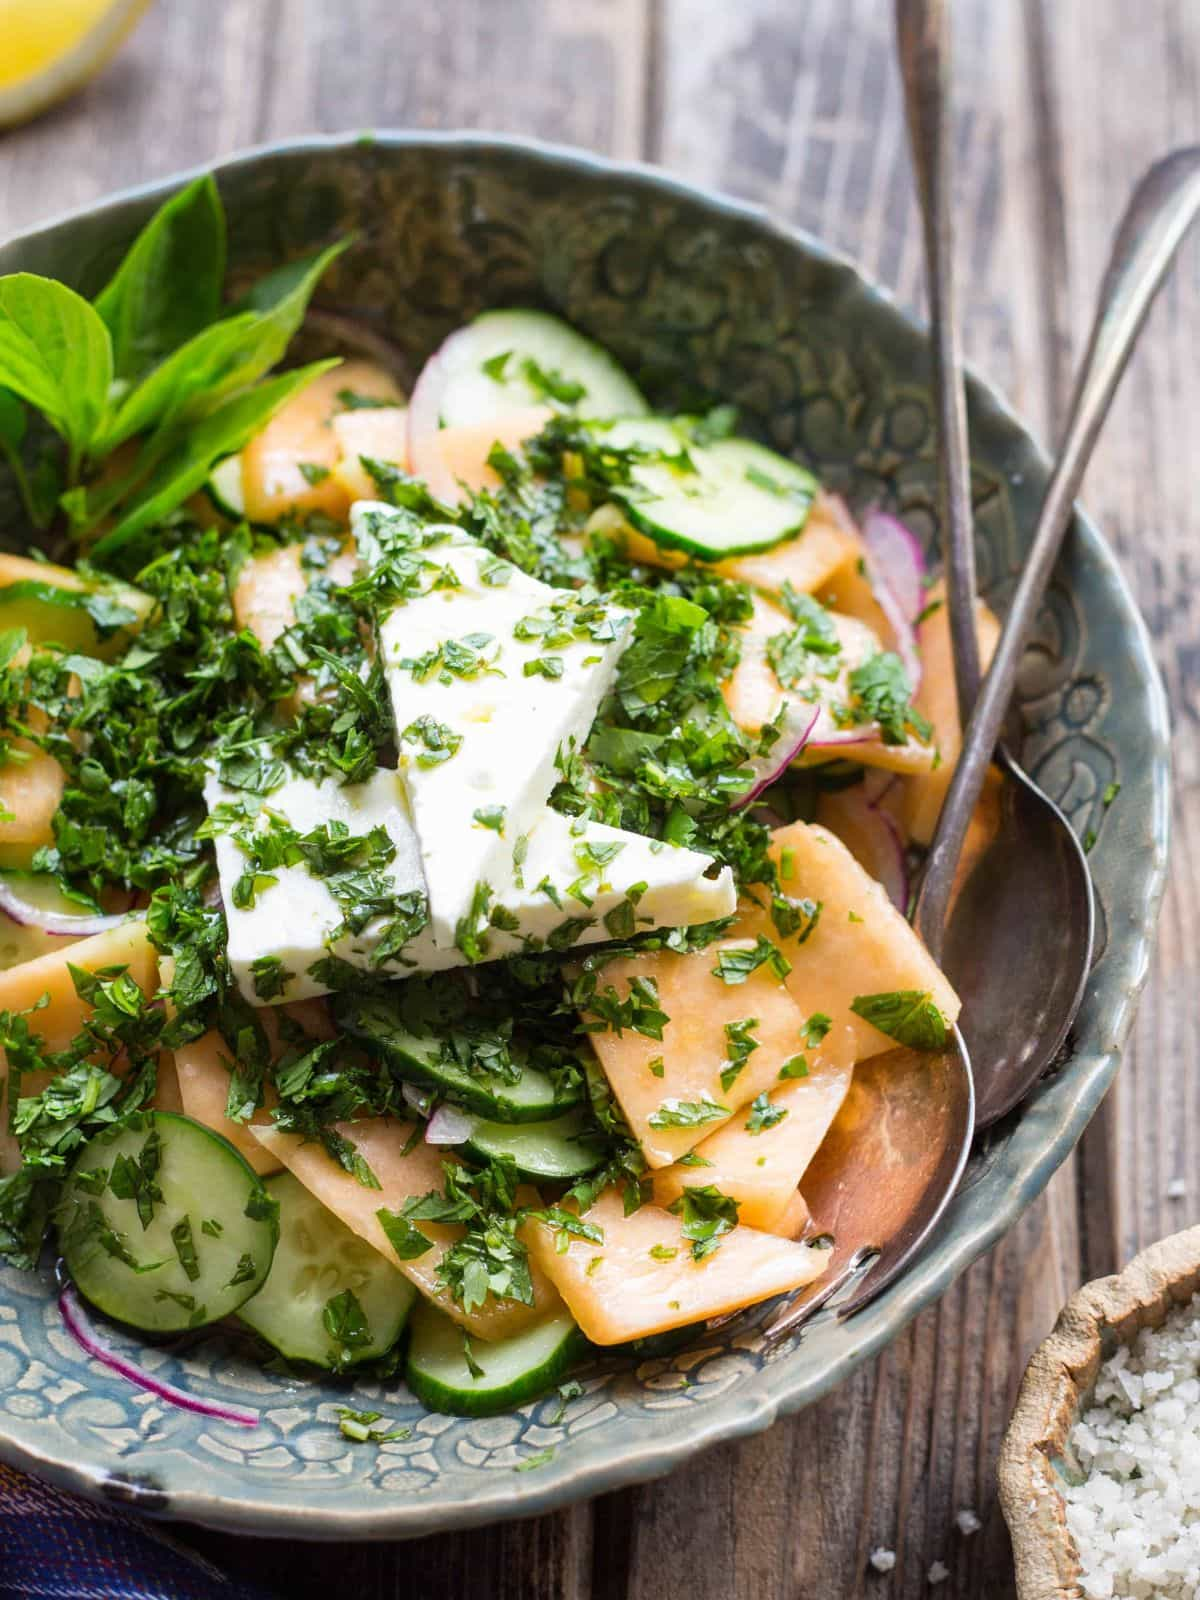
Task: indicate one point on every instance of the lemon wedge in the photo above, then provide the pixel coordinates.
(51, 47)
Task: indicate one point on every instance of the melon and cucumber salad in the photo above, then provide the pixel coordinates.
(454, 844)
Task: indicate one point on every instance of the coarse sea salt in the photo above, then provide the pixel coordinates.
(1135, 1516)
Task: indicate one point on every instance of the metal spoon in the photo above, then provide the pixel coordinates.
(892, 1160)
(877, 1184)
(1032, 872)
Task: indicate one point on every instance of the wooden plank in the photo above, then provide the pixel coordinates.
(1124, 97)
(195, 82)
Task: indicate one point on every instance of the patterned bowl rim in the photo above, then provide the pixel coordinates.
(1044, 1141)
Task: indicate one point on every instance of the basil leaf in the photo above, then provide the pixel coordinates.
(185, 469)
(12, 421)
(55, 352)
(223, 358)
(405, 1238)
(169, 285)
(907, 1015)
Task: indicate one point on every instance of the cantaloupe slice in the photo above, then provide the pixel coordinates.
(861, 944)
(754, 694)
(695, 1048)
(166, 1090)
(848, 590)
(793, 1219)
(31, 788)
(282, 466)
(204, 1077)
(643, 1279)
(378, 432)
(63, 1013)
(268, 586)
(806, 562)
(402, 1173)
(463, 452)
(937, 700)
(27, 590)
(761, 1170)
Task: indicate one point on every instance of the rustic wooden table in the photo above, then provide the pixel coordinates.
(1060, 104)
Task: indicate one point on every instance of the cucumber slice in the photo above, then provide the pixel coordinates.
(560, 1149)
(731, 497)
(25, 941)
(193, 1240)
(224, 488)
(316, 1259)
(426, 1059)
(513, 1370)
(500, 360)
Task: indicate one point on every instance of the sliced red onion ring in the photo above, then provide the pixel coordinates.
(871, 834)
(424, 422)
(78, 1325)
(421, 1100)
(903, 631)
(28, 914)
(450, 1125)
(898, 558)
(801, 719)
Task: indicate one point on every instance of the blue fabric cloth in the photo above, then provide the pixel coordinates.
(56, 1546)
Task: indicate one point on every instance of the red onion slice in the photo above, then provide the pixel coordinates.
(872, 836)
(424, 422)
(802, 717)
(420, 1100)
(450, 1125)
(898, 558)
(27, 913)
(77, 1324)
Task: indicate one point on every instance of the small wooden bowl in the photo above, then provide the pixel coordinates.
(1036, 1457)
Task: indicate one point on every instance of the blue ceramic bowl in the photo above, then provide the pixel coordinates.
(699, 297)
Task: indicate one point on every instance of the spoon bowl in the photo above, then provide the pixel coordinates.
(1028, 871)
(885, 1172)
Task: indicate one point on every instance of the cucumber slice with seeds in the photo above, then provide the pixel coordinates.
(422, 1059)
(164, 1225)
(731, 497)
(506, 359)
(317, 1259)
(559, 1149)
(224, 488)
(512, 1371)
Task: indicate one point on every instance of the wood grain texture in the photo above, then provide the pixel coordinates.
(1060, 103)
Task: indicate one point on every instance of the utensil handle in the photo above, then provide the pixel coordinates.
(1163, 208)
(924, 42)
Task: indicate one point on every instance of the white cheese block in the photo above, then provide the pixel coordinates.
(495, 679)
(293, 919)
(541, 900)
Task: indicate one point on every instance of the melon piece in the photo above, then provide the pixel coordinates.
(379, 432)
(63, 1013)
(849, 591)
(695, 1048)
(608, 522)
(754, 694)
(204, 1075)
(793, 1219)
(643, 1279)
(861, 944)
(31, 791)
(268, 586)
(167, 1096)
(937, 700)
(821, 548)
(402, 1173)
(761, 1170)
(462, 453)
(288, 468)
(49, 602)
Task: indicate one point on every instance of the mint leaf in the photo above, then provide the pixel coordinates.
(763, 1114)
(169, 285)
(687, 1113)
(56, 353)
(907, 1015)
(405, 1238)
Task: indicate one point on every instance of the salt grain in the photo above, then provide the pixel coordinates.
(967, 1522)
(1176, 1189)
(1135, 1516)
(938, 1572)
(883, 1560)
